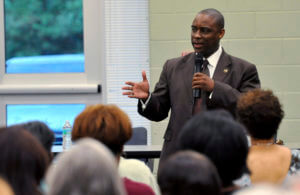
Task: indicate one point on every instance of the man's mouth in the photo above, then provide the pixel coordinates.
(198, 45)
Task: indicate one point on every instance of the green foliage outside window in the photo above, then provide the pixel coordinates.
(41, 27)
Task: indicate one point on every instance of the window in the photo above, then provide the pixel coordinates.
(54, 115)
(115, 47)
(45, 37)
(55, 87)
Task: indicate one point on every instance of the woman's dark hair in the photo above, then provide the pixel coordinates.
(221, 139)
(261, 113)
(42, 132)
(189, 173)
(23, 160)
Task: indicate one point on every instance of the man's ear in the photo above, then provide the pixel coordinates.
(222, 33)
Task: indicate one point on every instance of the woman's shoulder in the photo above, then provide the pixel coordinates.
(271, 149)
(284, 150)
(273, 154)
(284, 153)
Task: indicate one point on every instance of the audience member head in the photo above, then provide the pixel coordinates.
(261, 113)
(87, 168)
(23, 160)
(42, 132)
(189, 173)
(105, 123)
(221, 139)
(5, 188)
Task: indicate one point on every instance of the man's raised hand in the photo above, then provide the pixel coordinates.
(138, 90)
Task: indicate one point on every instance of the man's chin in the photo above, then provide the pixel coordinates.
(197, 50)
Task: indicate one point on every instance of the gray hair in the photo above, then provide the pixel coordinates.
(87, 168)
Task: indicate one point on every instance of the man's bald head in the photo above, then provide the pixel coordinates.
(219, 18)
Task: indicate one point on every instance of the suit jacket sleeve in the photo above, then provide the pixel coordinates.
(159, 104)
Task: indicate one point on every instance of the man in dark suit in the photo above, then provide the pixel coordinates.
(228, 77)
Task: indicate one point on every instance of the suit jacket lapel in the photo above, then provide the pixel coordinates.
(223, 67)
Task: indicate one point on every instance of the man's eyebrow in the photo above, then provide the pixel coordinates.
(200, 26)
(194, 26)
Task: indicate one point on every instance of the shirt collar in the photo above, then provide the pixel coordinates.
(214, 58)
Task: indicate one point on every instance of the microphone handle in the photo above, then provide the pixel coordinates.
(198, 64)
(196, 93)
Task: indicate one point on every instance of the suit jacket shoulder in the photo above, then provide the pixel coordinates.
(234, 63)
(175, 62)
(232, 77)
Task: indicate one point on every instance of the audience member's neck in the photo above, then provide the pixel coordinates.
(118, 156)
(255, 142)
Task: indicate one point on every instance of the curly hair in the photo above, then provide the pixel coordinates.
(105, 123)
(261, 113)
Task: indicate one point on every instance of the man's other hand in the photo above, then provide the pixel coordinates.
(138, 90)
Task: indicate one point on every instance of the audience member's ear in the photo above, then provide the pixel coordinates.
(184, 53)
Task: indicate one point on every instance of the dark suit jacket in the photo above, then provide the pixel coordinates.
(232, 77)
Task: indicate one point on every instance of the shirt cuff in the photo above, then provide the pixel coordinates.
(144, 104)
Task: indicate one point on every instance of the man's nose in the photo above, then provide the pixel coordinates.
(198, 34)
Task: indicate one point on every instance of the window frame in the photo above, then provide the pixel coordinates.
(45, 99)
(60, 88)
(93, 51)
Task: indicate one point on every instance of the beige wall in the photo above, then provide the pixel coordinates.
(265, 32)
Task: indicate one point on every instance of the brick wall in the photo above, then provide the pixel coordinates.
(265, 32)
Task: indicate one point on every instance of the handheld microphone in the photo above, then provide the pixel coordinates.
(198, 67)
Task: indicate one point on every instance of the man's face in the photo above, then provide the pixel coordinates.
(205, 34)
